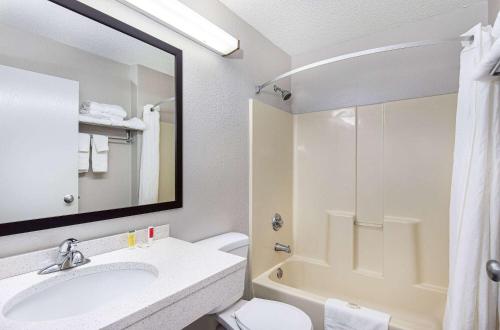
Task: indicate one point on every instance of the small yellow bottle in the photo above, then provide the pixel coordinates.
(131, 239)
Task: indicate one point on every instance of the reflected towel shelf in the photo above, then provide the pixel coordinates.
(106, 123)
(114, 139)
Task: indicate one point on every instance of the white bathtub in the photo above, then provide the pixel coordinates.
(307, 284)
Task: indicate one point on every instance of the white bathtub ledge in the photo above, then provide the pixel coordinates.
(187, 274)
(266, 286)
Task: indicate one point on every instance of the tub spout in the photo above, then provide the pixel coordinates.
(278, 247)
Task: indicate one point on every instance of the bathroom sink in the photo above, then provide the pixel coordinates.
(79, 291)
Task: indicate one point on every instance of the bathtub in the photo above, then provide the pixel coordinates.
(307, 284)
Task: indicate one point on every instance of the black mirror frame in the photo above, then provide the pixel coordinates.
(24, 226)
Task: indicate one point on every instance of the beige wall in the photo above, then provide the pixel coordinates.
(167, 162)
(271, 139)
(493, 9)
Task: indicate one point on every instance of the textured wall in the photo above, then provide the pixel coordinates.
(216, 93)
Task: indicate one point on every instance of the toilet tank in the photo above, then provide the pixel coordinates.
(234, 243)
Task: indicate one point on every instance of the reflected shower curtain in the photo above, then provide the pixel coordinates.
(475, 192)
(150, 157)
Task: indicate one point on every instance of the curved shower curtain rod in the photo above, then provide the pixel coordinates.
(364, 53)
(171, 99)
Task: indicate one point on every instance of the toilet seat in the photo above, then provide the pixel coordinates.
(262, 314)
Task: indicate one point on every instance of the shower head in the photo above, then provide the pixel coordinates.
(285, 95)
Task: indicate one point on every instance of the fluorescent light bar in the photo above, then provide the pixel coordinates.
(184, 20)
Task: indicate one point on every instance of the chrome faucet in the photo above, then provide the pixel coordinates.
(67, 258)
(278, 247)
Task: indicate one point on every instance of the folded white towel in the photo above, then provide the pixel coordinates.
(340, 315)
(100, 150)
(100, 142)
(83, 142)
(102, 115)
(133, 123)
(83, 152)
(110, 109)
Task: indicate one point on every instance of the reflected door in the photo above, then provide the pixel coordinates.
(38, 145)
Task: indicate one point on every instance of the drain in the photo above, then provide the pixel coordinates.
(279, 273)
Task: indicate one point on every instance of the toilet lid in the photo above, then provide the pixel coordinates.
(261, 314)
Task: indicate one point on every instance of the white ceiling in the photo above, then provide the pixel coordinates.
(299, 26)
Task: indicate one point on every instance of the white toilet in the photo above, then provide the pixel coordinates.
(256, 314)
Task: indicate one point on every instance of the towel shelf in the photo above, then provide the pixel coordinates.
(127, 139)
(117, 126)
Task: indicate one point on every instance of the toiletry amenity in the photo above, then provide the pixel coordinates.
(151, 235)
(83, 152)
(100, 150)
(341, 315)
(131, 239)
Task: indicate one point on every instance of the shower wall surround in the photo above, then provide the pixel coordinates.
(271, 183)
(370, 191)
(216, 93)
(389, 166)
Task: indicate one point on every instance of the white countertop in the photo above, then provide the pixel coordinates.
(183, 268)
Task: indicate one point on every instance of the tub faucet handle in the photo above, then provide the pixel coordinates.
(278, 247)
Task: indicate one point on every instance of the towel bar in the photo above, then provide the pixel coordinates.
(122, 140)
(368, 224)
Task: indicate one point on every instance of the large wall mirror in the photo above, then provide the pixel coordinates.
(91, 117)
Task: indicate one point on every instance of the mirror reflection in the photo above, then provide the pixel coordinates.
(88, 115)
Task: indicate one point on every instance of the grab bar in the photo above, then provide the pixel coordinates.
(368, 224)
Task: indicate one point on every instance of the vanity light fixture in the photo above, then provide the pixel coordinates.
(179, 17)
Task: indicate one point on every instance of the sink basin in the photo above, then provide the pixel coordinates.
(78, 291)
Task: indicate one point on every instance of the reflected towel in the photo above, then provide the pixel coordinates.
(132, 123)
(103, 110)
(341, 315)
(100, 150)
(83, 152)
(101, 115)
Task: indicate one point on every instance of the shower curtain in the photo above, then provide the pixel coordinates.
(150, 157)
(475, 192)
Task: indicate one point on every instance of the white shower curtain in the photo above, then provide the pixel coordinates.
(150, 157)
(475, 193)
